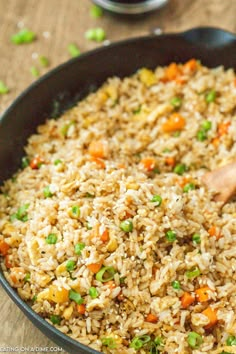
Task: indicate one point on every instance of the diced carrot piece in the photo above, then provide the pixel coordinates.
(223, 128)
(187, 299)
(94, 267)
(183, 181)
(154, 270)
(13, 278)
(17, 274)
(170, 161)
(175, 122)
(214, 232)
(172, 72)
(121, 165)
(211, 315)
(128, 215)
(81, 309)
(202, 294)
(191, 65)
(36, 162)
(8, 264)
(111, 284)
(215, 142)
(105, 236)
(151, 318)
(58, 295)
(235, 82)
(180, 80)
(4, 247)
(97, 149)
(99, 162)
(148, 163)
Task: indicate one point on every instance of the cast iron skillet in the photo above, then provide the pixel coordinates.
(70, 82)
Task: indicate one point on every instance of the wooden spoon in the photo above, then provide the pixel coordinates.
(222, 181)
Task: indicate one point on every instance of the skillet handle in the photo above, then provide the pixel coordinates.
(209, 37)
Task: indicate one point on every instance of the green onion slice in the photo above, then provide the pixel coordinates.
(93, 292)
(70, 265)
(105, 274)
(96, 11)
(138, 342)
(194, 340)
(79, 247)
(3, 88)
(157, 199)
(73, 295)
(109, 342)
(231, 341)
(55, 319)
(23, 36)
(73, 50)
(95, 34)
(126, 225)
(193, 273)
(21, 213)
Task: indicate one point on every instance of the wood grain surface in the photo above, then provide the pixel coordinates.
(58, 23)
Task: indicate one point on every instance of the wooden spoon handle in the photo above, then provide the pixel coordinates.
(222, 181)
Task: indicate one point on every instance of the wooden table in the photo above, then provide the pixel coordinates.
(57, 24)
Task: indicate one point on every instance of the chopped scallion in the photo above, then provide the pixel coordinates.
(34, 71)
(73, 295)
(138, 342)
(96, 11)
(93, 292)
(105, 274)
(21, 214)
(109, 342)
(23, 36)
(73, 50)
(27, 277)
(194, 340)
(70, 265)
(157, 199)
(188, 187)
(25, 162)
(231, 341)
(126, 225)
(57, 162)
(47, 192)
(75, 211)
(3, 88)
(44, 61)
(95, 34)
(55, 319)
(193, 273)
(79, 247)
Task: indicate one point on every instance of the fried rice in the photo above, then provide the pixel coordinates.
(107, 230)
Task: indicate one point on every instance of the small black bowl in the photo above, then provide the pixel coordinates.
(62, 87)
